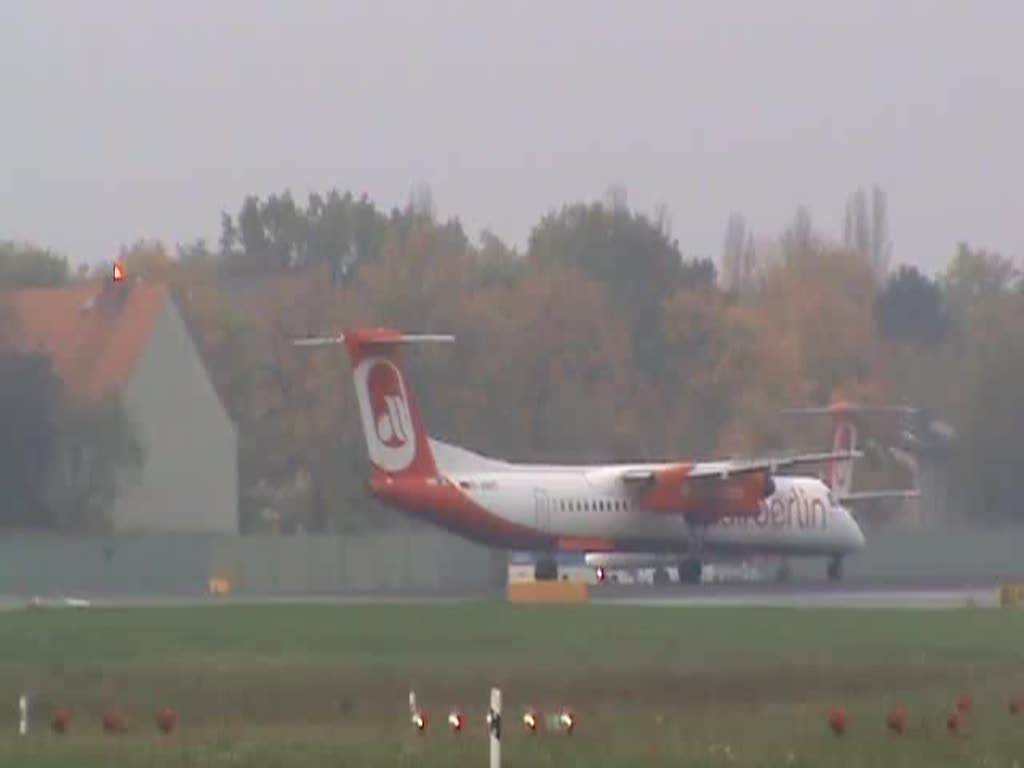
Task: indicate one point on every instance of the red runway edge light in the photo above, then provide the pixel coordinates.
(60, 720)
(897, 720)
(953, 721)
(837, 721)
(113, 721)
(965, 703)
(166, 719)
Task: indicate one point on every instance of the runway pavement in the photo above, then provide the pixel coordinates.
(798, 594)
(804, 594)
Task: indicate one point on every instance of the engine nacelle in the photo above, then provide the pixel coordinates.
(708, 499)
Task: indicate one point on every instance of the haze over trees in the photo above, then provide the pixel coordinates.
(603, 340)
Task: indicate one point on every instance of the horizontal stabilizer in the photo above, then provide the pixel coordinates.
(847, 408)
(400, 338)
(865, 496)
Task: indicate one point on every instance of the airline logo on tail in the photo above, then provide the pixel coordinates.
(387, 419)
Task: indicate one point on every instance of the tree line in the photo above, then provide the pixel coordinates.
(600, 340)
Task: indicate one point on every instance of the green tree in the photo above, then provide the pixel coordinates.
(624, 250)
(276, 235)
(99, 454)
(25, 266)
(63, 459)
(30, 425)
(911, 308)
(988, 412)
(976, 279)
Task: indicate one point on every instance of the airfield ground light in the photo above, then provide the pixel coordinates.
(494, 727)
(23, 714)
(954, 721)
(166, 719)
(965, 703)
(113, 720)
(530, 720)
(1016, 705)
(60, 720)
(455, 721)
(837, 721)
(897, 720)
(416, 715)
(567, 720)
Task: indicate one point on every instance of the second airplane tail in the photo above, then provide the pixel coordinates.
(844, 440)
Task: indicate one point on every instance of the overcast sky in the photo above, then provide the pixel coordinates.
(147, 118)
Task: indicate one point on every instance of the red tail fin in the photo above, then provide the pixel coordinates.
(844, 440)
(396, 439)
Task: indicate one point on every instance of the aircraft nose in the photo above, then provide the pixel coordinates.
(857, 539)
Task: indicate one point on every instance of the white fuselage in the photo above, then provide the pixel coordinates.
(589, 508)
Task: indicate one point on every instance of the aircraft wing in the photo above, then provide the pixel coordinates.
(723, 470)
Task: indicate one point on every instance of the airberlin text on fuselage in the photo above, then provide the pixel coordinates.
(794, 510)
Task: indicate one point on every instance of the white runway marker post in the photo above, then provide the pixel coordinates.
(494, 726)
(23, 714)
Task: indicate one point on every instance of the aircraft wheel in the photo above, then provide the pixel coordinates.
(690, 571)
(835, 569)
(545, 569)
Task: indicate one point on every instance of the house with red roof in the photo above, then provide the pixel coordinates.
(130, 337)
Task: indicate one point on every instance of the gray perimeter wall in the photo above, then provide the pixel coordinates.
(407, 561)
(419, 559)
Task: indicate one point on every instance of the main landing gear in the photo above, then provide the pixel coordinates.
(691, 568)
(545, 569)
(835, 568)
(690, 571)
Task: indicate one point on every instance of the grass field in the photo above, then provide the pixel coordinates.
(307, 685)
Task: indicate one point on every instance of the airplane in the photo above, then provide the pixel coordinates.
(838, 476)
(689, 509)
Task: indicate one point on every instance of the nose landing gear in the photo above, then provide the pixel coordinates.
(835, 568)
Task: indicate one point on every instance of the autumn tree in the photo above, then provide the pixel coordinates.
(866, 229)
(738, 255)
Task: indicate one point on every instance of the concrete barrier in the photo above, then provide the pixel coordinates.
(1011, 595)
(548, 592)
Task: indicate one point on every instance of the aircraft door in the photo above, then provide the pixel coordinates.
(542, 509)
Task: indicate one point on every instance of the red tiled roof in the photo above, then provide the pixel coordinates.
(93, 332)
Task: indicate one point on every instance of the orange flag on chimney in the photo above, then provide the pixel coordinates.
(118, 272)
